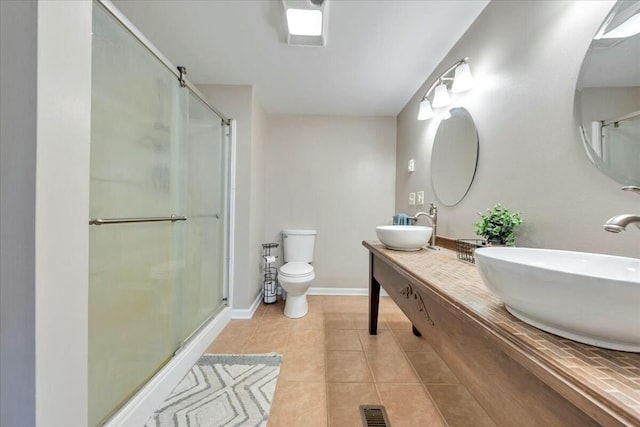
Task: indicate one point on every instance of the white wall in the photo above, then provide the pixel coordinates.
(237, 102)
(62, 211)
(17, 212)
(335, 175)
(526, 57)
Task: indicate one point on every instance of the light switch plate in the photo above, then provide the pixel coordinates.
(420, 200)
(412, 199)
(411, 166)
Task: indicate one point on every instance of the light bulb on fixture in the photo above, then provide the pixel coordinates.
(463, 80)
(425, 110)
(456, 78)
(441, 97)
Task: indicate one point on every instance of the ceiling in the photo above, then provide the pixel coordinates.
(378, 52)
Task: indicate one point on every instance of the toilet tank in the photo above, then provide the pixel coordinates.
(298, 245)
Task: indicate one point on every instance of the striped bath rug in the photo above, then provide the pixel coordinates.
(222, 390)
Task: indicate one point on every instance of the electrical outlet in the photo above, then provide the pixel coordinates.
(412, 199)
(420, 198)
(411, 166)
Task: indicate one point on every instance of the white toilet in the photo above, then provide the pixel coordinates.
(296, 274)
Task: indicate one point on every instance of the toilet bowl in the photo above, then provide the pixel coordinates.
(295, 278)
(296, 275)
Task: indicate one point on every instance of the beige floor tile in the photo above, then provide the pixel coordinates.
(346, 304)
(387, 305)
(254, 322)
(383, 341)
(275, 318)
(391, 367)
(408, 405)
(345, 400)
(347, 366)
(267, 340)
(431, 368)
(361, 321)
(276, 307)
(306, 365)
(306, 340)
(342, 339)
(299, 404)
(316, 303)
(395, 321)
(230, 341)
(410, 342)
(312, 320)
(458, 406)
(339, 321)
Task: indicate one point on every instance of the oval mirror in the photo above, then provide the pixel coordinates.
(454, 157)
(607, 99)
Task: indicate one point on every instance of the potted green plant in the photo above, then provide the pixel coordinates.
(497, 226)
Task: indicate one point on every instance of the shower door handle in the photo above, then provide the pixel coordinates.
(109, 221)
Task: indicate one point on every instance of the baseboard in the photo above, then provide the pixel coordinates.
(342, 291)
(143, 404)
(247, 313)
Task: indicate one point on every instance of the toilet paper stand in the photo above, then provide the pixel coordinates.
(270, 273)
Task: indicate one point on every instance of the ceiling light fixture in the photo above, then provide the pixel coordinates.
(307, 22)
(456, 79)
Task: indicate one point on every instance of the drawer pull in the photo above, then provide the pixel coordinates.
(408, 292)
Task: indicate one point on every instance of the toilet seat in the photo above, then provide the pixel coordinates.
(296, 270)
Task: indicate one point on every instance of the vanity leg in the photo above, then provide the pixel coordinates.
(374, 299)
(415, 331)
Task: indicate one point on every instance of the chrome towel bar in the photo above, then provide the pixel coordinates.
(172, 218)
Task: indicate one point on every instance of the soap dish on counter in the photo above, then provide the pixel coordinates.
(465, 249)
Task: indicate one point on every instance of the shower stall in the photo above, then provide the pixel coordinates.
(158, 227)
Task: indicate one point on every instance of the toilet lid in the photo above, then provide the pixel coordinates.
(296, 269)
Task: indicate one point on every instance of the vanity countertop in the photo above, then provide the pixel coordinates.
(610, 379)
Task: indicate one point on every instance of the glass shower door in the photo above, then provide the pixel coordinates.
(202, 289)
(156, 150)
(137, 170)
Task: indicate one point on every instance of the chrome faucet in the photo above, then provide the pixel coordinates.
(432, 215)
(619, 223)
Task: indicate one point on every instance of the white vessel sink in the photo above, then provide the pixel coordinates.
(590, 298)
(404, 237)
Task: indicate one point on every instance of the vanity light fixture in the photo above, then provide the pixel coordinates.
(307, 22)
(456, 79)
(628, 28)
(622, 22)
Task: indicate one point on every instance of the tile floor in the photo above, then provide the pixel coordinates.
(331, 365)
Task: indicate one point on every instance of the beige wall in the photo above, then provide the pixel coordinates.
(525, 56)
(335, 175)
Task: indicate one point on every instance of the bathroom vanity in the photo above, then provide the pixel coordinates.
(519, 374)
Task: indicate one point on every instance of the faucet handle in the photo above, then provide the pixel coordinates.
(631, 188)
(432, 209)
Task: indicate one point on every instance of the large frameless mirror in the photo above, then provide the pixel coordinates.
(454, 157)
(607, 100)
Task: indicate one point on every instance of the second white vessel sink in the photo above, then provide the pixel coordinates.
(586, 297)
(404, 237)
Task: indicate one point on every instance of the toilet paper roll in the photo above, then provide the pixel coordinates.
(270, 259)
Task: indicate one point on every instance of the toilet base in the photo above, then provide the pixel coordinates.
(296, 306)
